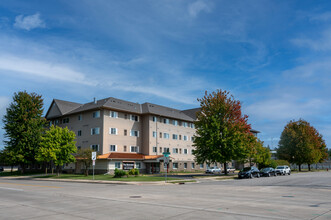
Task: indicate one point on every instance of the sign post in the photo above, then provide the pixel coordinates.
(166, 162)
(94, 157)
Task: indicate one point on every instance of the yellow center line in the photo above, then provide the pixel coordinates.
(19, 184)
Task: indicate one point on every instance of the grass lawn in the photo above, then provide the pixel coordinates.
(107, 177)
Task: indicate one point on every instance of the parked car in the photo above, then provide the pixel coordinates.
(230, 170)
(249, 172)
(268, 171)
(283, 170)
(213, 170)
(1, 169)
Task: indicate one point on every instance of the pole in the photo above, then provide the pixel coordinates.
(93, 170)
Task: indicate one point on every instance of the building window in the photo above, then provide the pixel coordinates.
(56, 122)
(185, 151)
(96, 114)
(180, 150)
(175, 166)
(184, 124)
(166, 149)
(175, 122)
(112, 147)
(118, 165)
(125, 132)
(175, 136)
(180, 137)
(154, 134)
(79, 133)
(134, 149)
(134, 133)
(160, 134)
(192, 125)
(166, 121)
(185, 165)
(138, 165)
(80, 117)
(193, 165)
(95, 131)
(160, 149)
(124, 148)
(79, 147)
(112, 130)
(185, 138)
(175, 150)
(154, 119)
(201, 166)
(95, 147)
(65, 120)
(154, 149)
(134, 118)
(166, 135)
(192, 138)
(113, 114)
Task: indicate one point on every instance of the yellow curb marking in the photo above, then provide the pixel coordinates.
(19, 184)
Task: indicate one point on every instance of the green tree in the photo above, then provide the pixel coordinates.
(8, 157)
(262, 156)
(85, 156)
(222, 132)
(23, 125)
(329, 152)
(57, 145)
(301, 143)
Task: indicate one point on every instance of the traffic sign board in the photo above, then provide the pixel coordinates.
(94, 155)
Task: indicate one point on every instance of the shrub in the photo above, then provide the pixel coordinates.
(134, 172)
(119, 173)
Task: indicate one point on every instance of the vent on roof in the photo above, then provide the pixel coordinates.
(94, 100)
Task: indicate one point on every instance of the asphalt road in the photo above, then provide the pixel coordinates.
(298, 196)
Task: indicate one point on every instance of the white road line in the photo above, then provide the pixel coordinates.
(11, 189)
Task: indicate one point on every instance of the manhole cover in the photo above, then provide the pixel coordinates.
(135, 197)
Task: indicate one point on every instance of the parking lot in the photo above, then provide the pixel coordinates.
(298, 196)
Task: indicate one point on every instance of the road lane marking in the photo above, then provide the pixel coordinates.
(11, 189)
(20, 184)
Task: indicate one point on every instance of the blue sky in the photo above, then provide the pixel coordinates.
(274, 56)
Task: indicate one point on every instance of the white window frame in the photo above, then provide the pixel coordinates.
(80, 117)
(138, 167)
(192, 125)
(95, 131)
(193, 165)
(175, 150)
(185, 165)
(154, 149)
(79, 133)
(96, 114)
(185, 138)
(113, 114)
(111, 131)
(134, 116)
(118, 165)
(185, 151)
(185, 124)
(154, 134)
(175, 136)
(154, 119)
(92, 145)
(115, 148)
(166, 135)
(201, 166)
(175, 122)
(175, 167)
(134, 133)
(134, 147)
(166, 121)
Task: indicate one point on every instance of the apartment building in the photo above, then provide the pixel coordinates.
(129, 135)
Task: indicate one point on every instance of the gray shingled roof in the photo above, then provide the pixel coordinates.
(68, 108)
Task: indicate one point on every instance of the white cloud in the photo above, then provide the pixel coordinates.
(50, 71)
(29, 22)
(326, 16)
(197, 7)
(4, 102)
(323, 43)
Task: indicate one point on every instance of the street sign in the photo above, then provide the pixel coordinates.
(166, 160)
(166, 154)
(93, 163)
(94, 155)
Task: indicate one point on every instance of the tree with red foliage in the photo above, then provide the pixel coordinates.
(301, 143)
(222, 131)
